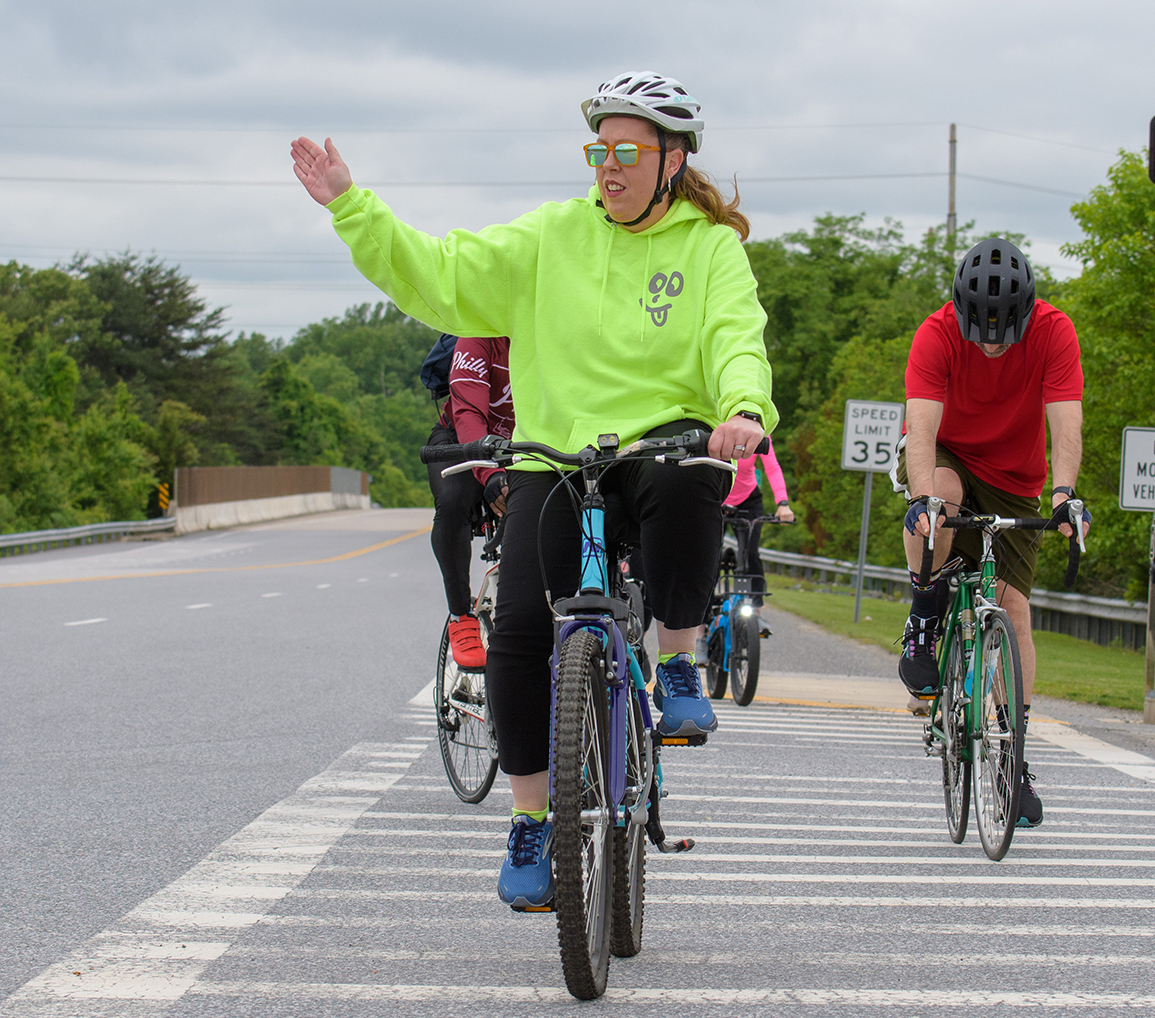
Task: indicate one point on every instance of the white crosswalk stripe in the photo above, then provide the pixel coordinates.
(823, 879)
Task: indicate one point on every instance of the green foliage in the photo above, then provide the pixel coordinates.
(865, 369)
(381, 346)
(112, 470)
(1112, 303)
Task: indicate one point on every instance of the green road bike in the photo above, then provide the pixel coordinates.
(978, 724)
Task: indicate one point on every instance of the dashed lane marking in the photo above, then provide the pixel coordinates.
(85, 622)
(224, 569)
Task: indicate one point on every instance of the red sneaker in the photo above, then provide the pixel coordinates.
(465, 642)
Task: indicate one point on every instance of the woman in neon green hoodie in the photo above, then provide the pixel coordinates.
(632, 310)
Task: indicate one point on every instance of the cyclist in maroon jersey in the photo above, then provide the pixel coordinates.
(479, 404)
(987, 373)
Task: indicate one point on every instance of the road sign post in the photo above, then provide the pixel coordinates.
(870, 433)
(1137, 492)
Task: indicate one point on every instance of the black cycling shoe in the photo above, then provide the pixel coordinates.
(1030, 808)
(918, 667)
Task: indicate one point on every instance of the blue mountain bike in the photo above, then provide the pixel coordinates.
(605, 775)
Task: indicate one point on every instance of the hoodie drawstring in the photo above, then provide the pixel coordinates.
(645, 280)
(605, 277)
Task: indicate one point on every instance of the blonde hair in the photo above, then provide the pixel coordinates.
(700, 190)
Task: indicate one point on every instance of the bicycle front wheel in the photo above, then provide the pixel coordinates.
(956, 765)
(998, 736)
(745, 654)
(464, 729)
(583, 843)
(630, 841)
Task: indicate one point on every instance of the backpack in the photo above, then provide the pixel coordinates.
(435, 369)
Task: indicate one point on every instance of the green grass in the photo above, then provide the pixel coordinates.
(1067, 668)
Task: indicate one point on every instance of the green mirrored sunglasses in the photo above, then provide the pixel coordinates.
(625, 152)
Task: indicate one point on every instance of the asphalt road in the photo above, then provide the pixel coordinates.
(225, 798)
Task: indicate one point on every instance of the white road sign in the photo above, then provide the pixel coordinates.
(870, 432)
(1137, 470)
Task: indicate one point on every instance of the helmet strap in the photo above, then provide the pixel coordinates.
(661, 189)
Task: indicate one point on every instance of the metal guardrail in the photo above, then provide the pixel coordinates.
(42, 540)
(1102, 620)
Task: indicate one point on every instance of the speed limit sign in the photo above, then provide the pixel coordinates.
(870, 432)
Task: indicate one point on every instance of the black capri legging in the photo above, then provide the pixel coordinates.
(678, 511)
(455, 499)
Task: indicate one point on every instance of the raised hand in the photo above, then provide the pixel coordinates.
(321, 170)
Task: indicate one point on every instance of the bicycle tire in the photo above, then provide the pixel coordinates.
(583, 847)
(716, 676)
(745, 657)
(629, 902)
(956, 767)
(464, 733)
(997, 751)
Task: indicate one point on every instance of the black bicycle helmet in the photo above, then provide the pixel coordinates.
(994, 293)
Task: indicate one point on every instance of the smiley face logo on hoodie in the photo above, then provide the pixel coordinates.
(661, 286)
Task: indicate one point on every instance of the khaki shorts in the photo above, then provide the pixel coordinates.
(1016, 551)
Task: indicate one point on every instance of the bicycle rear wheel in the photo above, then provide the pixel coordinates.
(716, 676)
(999, 733)
(583, 843)
(464, 729)
(745, 655)
(630, 842)
(956, 768)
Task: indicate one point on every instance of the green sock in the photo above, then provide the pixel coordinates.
(665, 659)
(534, 814)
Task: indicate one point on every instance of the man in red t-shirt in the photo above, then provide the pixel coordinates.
(986, 374)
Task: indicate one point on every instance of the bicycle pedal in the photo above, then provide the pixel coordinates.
(936, 751)
(548, 907)
(684, 845)
(682, 740)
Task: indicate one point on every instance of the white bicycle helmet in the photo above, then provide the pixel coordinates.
(662, 101)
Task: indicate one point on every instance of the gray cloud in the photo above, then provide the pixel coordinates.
(457, 92)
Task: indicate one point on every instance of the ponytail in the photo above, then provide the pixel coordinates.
(693, 185)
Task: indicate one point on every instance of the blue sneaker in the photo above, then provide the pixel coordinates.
(678, 695)
(526, 879)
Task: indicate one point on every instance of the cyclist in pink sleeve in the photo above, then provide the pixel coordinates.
(746, 498)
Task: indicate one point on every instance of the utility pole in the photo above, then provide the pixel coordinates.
(951, 223)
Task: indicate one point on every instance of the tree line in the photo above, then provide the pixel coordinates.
(113, 372)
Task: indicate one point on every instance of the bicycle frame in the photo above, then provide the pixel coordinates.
(595, 609)
(974, 598)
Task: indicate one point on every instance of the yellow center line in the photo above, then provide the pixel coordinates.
(224, 569)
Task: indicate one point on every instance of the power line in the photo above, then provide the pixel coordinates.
(1025, 187)
(264, 129)
(434, 183)
(1031, 137)
(242, 129)
(139, 181)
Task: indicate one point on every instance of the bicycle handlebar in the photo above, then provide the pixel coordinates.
(493, 450)
(981, 521)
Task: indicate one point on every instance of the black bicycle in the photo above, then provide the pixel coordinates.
(464, 727)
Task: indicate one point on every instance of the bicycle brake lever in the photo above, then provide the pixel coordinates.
(460, 468)
(933, 508)
(1075, 512)
(691, 461)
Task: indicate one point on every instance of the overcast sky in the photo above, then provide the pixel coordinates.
(164, 128)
